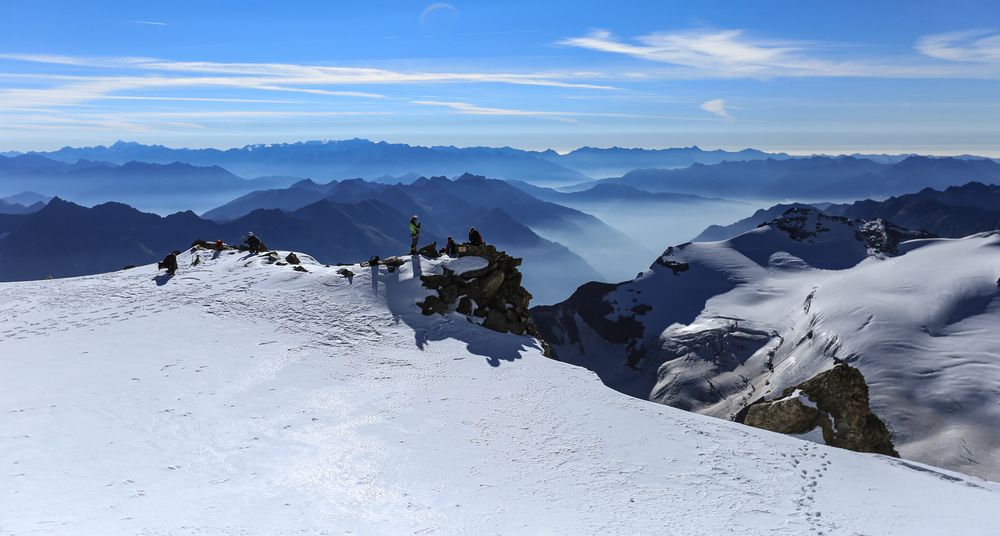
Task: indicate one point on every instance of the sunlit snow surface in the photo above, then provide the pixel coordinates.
(245, 398)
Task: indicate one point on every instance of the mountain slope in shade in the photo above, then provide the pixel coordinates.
(245, 398)
(715, 326)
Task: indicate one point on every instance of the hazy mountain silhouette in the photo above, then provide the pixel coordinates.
(145, 184)
(811, 177)
(325, 160)
(22, 203)
(453, 205)
(615, 161)
(64, 239)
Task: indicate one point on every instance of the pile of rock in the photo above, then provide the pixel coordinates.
(836, 401)
(493, 294)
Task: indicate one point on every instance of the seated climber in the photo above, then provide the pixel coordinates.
(169, 262)
(475, 238)
(219, 245)
(253, 243)
(450, 249)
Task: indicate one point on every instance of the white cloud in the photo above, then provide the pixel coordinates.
(725, 52)
(693, 54)
(137, 73)
(966, 46)
(717, 107)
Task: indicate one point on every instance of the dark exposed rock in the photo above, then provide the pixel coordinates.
(674, 266)
(130, 266)
(448, 293)
(429, 251)
(434, 282)
(432, 304)
(300, 268)
(464, 306)
(344, 272)
(842, 412)
(491, 284)
(292, 258)
(496, 321)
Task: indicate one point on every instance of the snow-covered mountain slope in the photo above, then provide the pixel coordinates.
(712, 327)
(246, 398)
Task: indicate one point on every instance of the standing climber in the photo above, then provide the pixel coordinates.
(450, 249)
(253, 243)
(475, 238)
(414, 234)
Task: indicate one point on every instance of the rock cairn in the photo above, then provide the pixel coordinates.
(492, 294)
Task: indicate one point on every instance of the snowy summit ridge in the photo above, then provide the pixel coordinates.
(242, 397)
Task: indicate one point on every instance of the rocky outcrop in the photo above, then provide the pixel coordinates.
(836, 401)
(492, 295)
(882, 236)
(292, 258)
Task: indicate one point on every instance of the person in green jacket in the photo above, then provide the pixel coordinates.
(414, 234)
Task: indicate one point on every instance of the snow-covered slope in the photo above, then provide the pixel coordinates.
(246, 398)
(712, 327)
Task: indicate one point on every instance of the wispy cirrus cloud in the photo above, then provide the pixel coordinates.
(965, 46)
(710, 53)
(147, 22)
(64, 93)
(466, 108)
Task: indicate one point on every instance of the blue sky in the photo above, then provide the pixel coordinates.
(796, 76)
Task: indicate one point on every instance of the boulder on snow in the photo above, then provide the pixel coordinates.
(842, 411)
(292, 258)
(344, 272)
(300, 268)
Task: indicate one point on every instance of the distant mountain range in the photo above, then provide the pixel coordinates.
(23, 203)
(140, 183)
(616, 161)
(453, 205)
(360, 158)
(813, 177)
(64, 239)
(347, 159)
(954, 212)
(181, 178)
